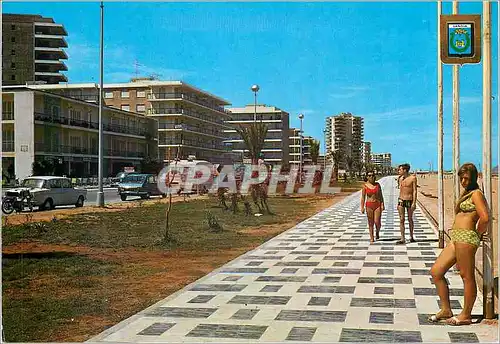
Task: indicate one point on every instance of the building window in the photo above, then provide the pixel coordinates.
(13, 39)
(12, 65)
(13, 52)
(125, 107)
(75, 115)
(141, 94)
(12, 77)
(140, 108)
(125, 94)
(12, 27)
(55, 111)
(108, 95)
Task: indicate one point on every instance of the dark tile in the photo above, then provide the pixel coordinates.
(344, 258)
(375, 336)
(385, 271)
(432, 291)
(289, 270)
(254, 263)
(201, 299)
(463, 337)
(263, 257)
(219, 287)
(386, 258)
(432, 281)
(341, 264)
(156, 329)
(404, 303)
(259, 300)
(281, 279)
(336, 271)
(279, 248)
(331, 279)
(350, 253)
(294, 263)
(246, 270)
(301, 334)
(383, 291)
(319, 301)
(274, 252)
(309, 252)
(300, 315)
(385, 280)
(455, 304)
(387, 253)
(337, 289)
(232, 278)
(417, 258)
(245, 314)
(380, 302)
(271, 288)
(314, 248)
(381, 318)
(227, 331)
(428, 253)
(420, 272)
(303, 257)
(181, 312)
(385, 265)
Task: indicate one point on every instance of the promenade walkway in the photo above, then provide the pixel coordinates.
(320, 281)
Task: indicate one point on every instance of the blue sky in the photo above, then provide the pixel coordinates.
(375, 60)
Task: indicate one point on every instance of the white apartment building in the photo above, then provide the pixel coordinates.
(276, 147)
(367, 151)
(294, 147)
(383, 160)
(344, 133)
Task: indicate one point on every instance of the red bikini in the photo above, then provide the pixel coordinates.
(370, 192)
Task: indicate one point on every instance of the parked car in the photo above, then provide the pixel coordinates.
(115, 181)
(139, 184)
(48, 192)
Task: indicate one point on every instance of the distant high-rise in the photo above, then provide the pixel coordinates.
(367, 150)
(32, 50)
(383, 160)
(344, 133)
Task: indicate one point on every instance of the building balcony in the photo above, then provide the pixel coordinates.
(50, 29)
(46, 53)
(187, 113)
(7, 115)
(169, 142)
(115, 128)
(190, 129)
(41, 147)
(50, 41)
(50, 66)
(50, 77)
(7, 146)
(187, 97)
(122, 153)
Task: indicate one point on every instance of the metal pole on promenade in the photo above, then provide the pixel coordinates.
(440, 133)
(488, 305)
(100, 193)
(301, 117)
(456, 122)
(255, 89)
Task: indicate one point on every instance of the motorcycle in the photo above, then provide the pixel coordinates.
(17, 200)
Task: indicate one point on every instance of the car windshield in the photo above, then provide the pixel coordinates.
(131, 178)
(32, 183)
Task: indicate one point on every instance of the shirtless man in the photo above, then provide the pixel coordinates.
(407, 200)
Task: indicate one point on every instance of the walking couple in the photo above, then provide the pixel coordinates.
(374, 206)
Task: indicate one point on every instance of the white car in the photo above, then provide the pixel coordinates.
(50, 191)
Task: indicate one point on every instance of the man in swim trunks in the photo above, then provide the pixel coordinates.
(407, 200)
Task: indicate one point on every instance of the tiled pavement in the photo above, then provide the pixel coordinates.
(320, 281)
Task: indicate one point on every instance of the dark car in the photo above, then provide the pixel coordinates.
(139, 184)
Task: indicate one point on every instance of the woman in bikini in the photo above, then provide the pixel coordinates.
(372, 192)
(471, 221)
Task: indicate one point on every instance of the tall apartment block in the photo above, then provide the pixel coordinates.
(367, 151)
(191, 122)
(32, 50)
(276, 146)
(383, 160)
(294, 147)
(344, 133)
(38, 125)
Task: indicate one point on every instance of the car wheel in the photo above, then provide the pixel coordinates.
(163, 195)
(48, 204)
(80, 202)
(123, 197)
(146, 196)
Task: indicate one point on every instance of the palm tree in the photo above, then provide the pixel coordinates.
(336, 156)
(350, 163)
(314, 150)
(253, 136)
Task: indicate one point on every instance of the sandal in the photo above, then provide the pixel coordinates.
(454, 321)
(434, 318)
(412, 240)
(400, 242)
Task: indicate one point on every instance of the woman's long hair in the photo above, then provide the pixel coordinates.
(366, 175)
(471, 170)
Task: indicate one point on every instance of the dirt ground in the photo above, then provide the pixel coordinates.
(174, 269)
(428, 185)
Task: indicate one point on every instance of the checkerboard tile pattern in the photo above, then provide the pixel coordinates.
(320, 281)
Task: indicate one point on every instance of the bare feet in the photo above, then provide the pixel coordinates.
(441, 315)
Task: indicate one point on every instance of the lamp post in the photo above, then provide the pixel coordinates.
(324, 155)
(255, 89)
(301, 117)
(100, 193)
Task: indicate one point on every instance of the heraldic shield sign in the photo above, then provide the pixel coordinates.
(460, 39)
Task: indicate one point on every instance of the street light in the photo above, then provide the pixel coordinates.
(301, 117)
(255, 89)
(100, 193)
(324, 155)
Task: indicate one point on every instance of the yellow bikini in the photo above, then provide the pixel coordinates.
(463, 235)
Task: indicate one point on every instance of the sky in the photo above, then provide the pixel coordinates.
(377, 60)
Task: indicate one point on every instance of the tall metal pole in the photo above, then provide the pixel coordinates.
(440, 132)
(255, 89)
(301, 117)
(324, 155)
(100, 193)
(488, 305)
(456, 122)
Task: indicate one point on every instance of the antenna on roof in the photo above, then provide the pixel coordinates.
(136, 65)
(154, 76)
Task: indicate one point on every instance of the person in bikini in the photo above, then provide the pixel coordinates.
(372, 192)
(407, 200)
(471, 222)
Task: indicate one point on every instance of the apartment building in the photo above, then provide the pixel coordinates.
(344, 133)
(383, 160)
(32, 50)
(294, 147)
(38, 125)
(191, 122)
(276, 146)
(367, 151)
